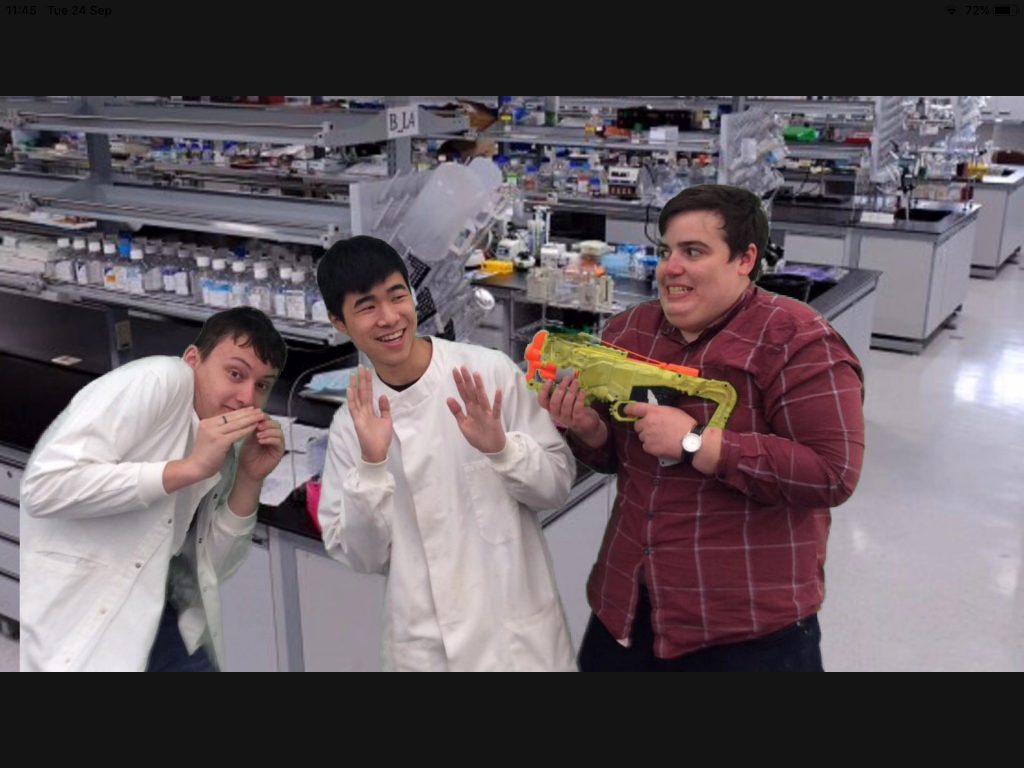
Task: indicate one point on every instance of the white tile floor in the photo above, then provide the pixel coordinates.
(924, 565)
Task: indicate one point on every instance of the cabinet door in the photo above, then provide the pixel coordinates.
(992, 223)
(341, 614)
(9, 520)
(247, 603)
(10, 483)
(959, 250)
(1013, 228)
(814, 249)
(903, 289)
(574, 540)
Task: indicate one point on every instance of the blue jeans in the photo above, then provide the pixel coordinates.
(796, 648)
(169, 654)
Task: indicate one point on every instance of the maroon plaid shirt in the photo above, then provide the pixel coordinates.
(741, 554)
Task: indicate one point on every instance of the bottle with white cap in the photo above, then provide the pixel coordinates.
(135, 273)
(240, 284)
(168, 265)
(203, 276)
(317, 305)
(261, 291)
(184, 274)
(64, 266)
(280, 307)
(220, 285)
(80, 256)
(112, 268)
(152, 275)
(296, 305)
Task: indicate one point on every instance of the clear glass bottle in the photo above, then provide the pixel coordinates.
(203, 278)
(219, 291)
(261, 291)
(135, 273)
(240, 284)
(280, 307)
(64, 264)
(296, 303)
(184, 274)
(112, 267)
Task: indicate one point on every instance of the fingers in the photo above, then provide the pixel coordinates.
(456, 409)
(235, 424)
(544, 396)
(385, 407)
(270, 433)
(471, 389)
(496, 408)
(354, 396)
(558, 395)
(638, 410)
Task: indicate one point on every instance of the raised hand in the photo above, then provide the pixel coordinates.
(481, 423)
(374, 432)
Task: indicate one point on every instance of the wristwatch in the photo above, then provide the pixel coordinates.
(692, 443)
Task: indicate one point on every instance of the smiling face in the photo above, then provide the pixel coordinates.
(232, 376)
(697, 281)
(382, 324)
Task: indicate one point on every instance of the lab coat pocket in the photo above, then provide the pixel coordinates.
(497, 513)
(58, 589)
(540, 643)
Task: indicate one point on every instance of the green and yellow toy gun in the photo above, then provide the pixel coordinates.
(609, 373)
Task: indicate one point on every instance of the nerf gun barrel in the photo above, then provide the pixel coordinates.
(608, 374)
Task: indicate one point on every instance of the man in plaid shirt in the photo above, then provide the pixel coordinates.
(714, 556)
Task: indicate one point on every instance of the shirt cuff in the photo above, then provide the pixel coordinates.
(512, 451)
(151, 482)
(377, 472)
(728, 456)
(236, 525)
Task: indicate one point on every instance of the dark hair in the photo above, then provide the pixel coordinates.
(356, 265)
(252, 326)
(743, 216)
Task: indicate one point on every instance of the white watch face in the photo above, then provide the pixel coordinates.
(692, 443)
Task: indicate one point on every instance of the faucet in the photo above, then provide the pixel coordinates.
(907, 186)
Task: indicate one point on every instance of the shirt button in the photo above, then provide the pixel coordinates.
(650, 514)
(200, 539)
(648, 551)
(138, 565)
(102, 611)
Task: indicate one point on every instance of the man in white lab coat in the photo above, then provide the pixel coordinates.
(432, 482)
(141, 497)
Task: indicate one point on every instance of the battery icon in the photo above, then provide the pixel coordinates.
(1005, 10)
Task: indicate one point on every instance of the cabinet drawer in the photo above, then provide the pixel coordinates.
(9, 524)
(9, 600)
(9, 557)
(10, 482)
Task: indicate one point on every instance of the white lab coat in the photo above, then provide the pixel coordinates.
(97, 526)
(470, 582)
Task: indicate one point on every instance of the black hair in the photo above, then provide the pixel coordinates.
(250, 325)
(356, 265)
(743, 217)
